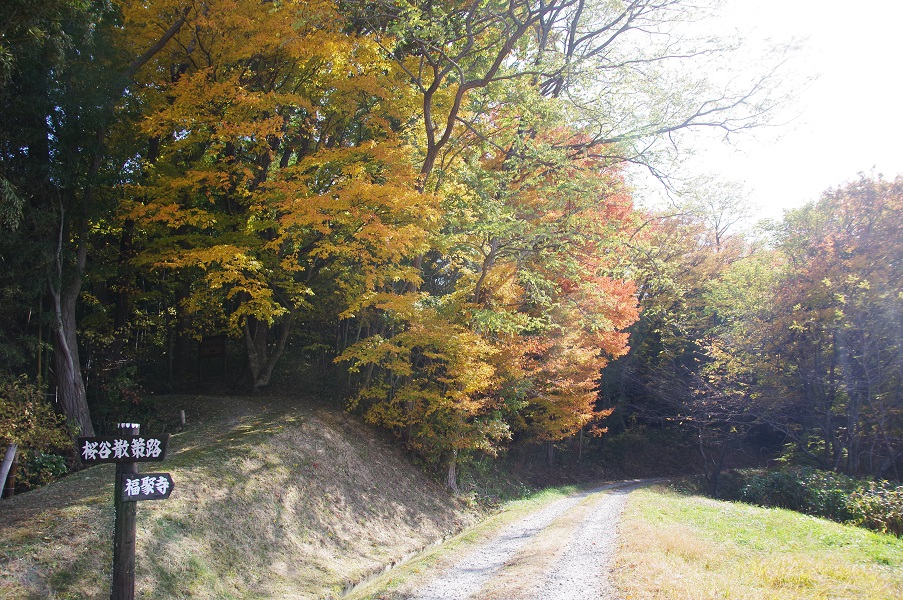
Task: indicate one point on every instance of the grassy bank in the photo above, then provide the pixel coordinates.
(274, 498)
(689, 547)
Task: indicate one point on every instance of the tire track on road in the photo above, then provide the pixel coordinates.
(478, 570)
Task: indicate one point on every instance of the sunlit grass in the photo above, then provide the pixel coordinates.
(689, 547)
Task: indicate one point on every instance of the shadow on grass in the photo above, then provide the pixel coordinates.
(273, 497)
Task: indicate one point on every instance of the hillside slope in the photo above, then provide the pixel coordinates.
(274, 498)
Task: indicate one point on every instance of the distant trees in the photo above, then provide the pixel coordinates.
(832, 377)
(676, 256)
(800, 336)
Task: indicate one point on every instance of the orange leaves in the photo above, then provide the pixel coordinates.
(563, 372)
(368, 214)
(273, 148)
(563, 364)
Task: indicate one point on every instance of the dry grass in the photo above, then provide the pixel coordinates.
(686, 548)
(273, 499)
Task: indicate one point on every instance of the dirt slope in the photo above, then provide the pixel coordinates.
(274, 498)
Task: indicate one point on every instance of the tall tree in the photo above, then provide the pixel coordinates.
(276, 161)
(56, 154)
(494, 80)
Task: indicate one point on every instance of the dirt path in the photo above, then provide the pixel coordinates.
(563, 551)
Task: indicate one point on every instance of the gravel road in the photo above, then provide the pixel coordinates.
(563, 551)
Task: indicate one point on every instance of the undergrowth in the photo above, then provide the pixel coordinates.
(41, 434)
(876, 505)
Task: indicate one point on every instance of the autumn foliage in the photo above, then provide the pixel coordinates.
(425, 202)
(281, 170)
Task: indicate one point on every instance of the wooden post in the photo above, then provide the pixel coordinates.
(8, 461)
(181, 420)
(9, 490)
(124, 535)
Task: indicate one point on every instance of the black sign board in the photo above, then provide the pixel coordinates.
(123, 448)
(146, 486)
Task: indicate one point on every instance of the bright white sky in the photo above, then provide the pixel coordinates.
(850, 119)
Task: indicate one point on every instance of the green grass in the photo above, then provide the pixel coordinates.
(680, 546)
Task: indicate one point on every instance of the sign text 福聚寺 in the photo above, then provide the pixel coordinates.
(146, 486)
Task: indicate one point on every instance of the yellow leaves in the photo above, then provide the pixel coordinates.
(210, 107)
(228, 272)
(444, 373)
(276, 157)
(389, 354)
(402, 306)
(368, 213)
(169, 214)
(224, 255)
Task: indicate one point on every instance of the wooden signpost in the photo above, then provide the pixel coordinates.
(127, 450)
(123, 448)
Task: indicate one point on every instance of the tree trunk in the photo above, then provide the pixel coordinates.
(261, 361)
(488, 263)
(717, 468)
(452, 478)
(68, 370)
(181, 347)
(580, 447)
(8, 460)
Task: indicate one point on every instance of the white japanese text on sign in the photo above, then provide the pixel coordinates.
(146, 486)
(126, 448)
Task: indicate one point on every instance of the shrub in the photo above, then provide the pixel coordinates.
(874, 505)
(827, 494)
(730, 484)
(29, 421)
(878, 507)
(40, 469)
(775, 488)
